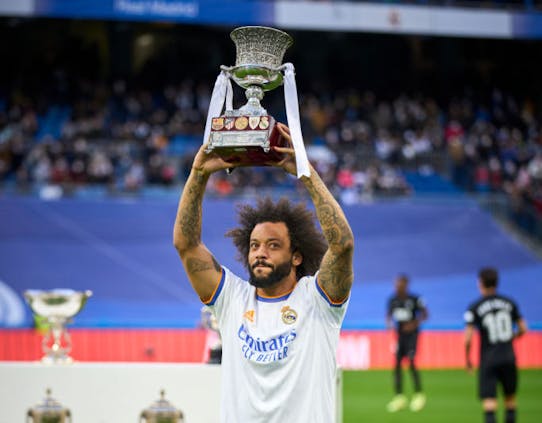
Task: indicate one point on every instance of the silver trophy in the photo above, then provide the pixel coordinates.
(57, 307)
(161, 412)
(248, 135)
(50, 411)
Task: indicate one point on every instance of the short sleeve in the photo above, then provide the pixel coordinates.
(229, 290)
(468, 317)
(332, 312)
(211, 301)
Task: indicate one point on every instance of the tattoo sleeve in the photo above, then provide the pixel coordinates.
(195, 265)
(201, 267)
(336, 272)
(187, 230)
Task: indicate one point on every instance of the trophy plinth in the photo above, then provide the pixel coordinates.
(248, 135)
(57, 307)
(245, 139)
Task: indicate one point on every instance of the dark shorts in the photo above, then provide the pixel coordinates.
(406, 345)
(490, 375)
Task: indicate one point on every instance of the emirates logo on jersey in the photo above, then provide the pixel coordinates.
(265, 350)
(289, 315)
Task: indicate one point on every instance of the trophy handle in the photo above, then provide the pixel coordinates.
(226, 69)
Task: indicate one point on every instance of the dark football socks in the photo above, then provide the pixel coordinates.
(490, 417)
(510, 415)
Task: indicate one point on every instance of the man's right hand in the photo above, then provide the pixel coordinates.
(209, 163)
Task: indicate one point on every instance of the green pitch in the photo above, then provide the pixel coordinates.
(451, 397)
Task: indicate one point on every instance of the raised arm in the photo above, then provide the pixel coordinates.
(336, 271)
(202, 268)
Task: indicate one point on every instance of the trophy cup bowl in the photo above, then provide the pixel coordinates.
(247, 136)
(248, 75)
(260, 51)
(57, 307)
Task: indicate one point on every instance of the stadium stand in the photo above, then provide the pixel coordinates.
(110, 139)
(124, 140)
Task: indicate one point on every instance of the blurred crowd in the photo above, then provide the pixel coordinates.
(97, 134)
(498, 148)
(124, 138)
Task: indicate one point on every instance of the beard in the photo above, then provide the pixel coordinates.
(277, 273)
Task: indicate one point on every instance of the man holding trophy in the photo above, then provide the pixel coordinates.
(279, 329)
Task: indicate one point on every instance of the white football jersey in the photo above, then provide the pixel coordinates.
(278, 354)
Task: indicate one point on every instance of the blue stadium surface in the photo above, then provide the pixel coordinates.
(122, 250)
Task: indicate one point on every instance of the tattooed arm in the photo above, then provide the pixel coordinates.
(203, 270)
(336, 270)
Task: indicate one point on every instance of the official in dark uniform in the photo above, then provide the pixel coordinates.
(406, 311)
(499, 321)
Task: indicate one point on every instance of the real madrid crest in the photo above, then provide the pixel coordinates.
(289, 315)
(264, 122)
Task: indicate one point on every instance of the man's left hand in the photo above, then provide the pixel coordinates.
(288, 162)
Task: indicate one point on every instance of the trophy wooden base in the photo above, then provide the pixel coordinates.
(246, 140)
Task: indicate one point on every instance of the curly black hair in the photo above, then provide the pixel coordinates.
(305, 238)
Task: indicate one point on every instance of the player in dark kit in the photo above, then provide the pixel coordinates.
(499, 321)
(407, 311)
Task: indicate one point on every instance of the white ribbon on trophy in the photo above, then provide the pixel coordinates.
(223, 91)
(292, 114)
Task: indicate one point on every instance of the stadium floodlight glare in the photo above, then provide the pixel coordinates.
(57, 307)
